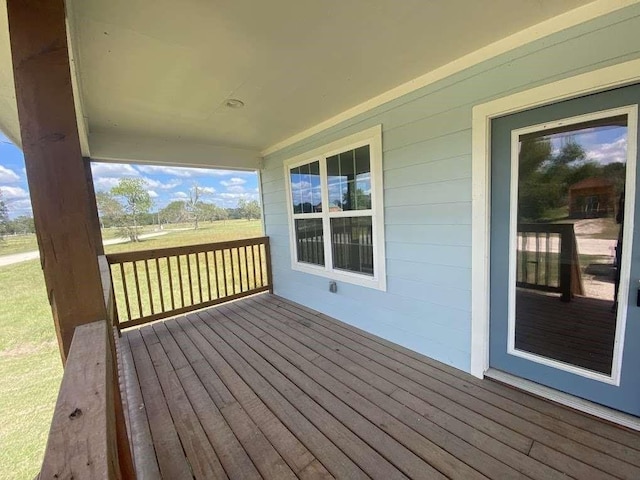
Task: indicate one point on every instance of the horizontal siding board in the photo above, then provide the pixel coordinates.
(427, 179)
(457, 235)
(451, 191)
(436, 254)
(439, 214)
(445, 275)
(429, 172)
(454, 144)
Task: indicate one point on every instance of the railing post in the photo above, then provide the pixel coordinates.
(267, 251)
(566, 259)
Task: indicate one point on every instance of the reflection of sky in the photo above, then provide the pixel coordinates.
(305, 188)
(603, 145)
(338, 186)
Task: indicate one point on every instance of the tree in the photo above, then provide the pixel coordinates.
(249, 210)
(110, 210)
(4, 217)
(174, 212)
(21, 225)
(136, 201)
(194, 205)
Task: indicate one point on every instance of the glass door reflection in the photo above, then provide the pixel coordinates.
(570, 223)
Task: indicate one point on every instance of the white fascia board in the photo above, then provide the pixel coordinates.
(76, 83)
(179, 153)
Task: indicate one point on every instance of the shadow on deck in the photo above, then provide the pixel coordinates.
(264, 388)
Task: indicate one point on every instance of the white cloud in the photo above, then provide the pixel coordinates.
(162, 186)
(20, 207)
(236, 189)
(233, 181)
(180, 195)
(227, 199)
(13, 193)
(105, 183)
(101, 169)
(7, 175)
(606, 153)
(207, 190)
(152, 194)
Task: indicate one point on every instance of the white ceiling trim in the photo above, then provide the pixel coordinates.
(156, 151)
(76, 86)
(528, 35)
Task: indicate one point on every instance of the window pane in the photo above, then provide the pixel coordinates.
(305, 188)
(310, 241)
(349, 180)
(352, 245)
(570, 208)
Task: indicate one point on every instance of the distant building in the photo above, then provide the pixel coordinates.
(592, 198)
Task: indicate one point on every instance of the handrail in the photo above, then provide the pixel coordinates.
(85, 439)
(555, 263)
(153, 284)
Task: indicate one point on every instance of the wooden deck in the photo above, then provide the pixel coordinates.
(264, 388)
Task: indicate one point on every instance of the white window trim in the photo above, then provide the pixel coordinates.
(631, 112)
(372, 137)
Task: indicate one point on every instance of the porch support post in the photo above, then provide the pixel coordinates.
(64, 218)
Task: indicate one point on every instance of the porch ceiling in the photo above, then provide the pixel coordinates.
(163, 70)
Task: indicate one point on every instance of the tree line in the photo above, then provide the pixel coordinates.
(128, 206)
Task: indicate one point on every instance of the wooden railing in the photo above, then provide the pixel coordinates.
(154, 284)
(547, 259)
(88, 436)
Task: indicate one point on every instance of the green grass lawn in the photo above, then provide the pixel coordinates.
(30, 367)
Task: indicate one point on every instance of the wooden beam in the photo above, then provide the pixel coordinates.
(55, 167)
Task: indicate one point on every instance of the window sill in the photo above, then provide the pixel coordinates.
(342, 276)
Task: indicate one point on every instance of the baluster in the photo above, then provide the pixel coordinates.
(180, 280)
(216, 273)
(146, 268)
(135, 274)
(188, 257)
(199, 276)
(126, 292)
(246, 266)
(160, 285)
(253, 262)
(233, 271)
(173, 303)
(206, 261)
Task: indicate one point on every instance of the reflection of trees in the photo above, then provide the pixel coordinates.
(356, 199)
(545, 177)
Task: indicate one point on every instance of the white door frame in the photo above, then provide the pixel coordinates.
(598, 80)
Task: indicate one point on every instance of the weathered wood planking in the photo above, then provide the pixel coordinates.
(326, 399)
(85, 439)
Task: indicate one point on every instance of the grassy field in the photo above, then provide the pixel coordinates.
(30, 367)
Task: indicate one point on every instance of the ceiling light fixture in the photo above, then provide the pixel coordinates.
(234, 103)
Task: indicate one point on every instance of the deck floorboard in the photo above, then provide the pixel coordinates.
(265, 388)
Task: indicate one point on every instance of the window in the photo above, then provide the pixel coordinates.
(336, 211)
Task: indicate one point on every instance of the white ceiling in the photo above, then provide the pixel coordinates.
(163, 69)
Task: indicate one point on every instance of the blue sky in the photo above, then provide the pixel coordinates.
(164, 183)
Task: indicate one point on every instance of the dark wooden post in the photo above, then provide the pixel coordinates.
(55, 168)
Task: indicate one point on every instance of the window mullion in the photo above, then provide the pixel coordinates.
(326, 225)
